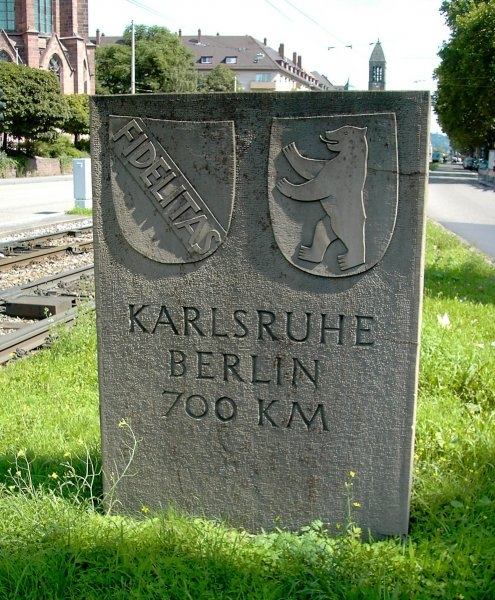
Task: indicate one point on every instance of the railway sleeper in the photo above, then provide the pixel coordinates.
(37, 307)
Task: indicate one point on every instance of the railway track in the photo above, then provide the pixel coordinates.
(27, 250)
(30, 311)
(33, 336)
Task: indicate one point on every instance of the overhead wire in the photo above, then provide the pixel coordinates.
(278, 10)
(306, 16)
(293, 5)
(147, 8)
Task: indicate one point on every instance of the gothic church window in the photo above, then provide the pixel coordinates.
(54, 66)
(7, 20)
(43, 15)
(377, 74)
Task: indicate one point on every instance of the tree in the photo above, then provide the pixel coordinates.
(35, 105)
(77, 122)
(113, 69)
(220, 79)
(464, 101)
(453, 9)
(162, 63)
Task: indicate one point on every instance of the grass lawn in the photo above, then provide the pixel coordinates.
(57, 542)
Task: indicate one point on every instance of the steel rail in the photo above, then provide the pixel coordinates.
(8, 262)
(47, 283)
(37, 240)
(35, 335)
(27, 250)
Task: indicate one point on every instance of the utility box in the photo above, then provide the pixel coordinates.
(81, 168)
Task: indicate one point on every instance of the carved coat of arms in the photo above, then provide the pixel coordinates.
(333, 191)
(173, 185)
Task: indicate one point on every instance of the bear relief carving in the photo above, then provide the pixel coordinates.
(338, 184)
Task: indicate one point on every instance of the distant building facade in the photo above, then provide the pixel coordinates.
(51, 35)
(377, 69)
(256, 66)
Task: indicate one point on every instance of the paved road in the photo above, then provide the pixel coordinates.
(34, 201)
(464, 206)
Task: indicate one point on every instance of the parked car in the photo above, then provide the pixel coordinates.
(482, 165)
(468, 163)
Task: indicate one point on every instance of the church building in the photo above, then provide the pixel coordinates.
(377, 68)
(50, 35)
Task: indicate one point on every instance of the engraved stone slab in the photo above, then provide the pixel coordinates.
(259, 280)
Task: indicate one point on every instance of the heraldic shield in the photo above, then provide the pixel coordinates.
(173, 185)
(333, 191)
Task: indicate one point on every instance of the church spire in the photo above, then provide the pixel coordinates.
(377, 68)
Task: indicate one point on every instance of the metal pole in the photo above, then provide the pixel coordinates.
(133, 59)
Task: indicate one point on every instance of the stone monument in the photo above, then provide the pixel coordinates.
(259, 265)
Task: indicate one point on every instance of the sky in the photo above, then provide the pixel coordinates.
(333, 37)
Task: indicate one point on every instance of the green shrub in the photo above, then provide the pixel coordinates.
(12, 165)
(7, 164)
(66, 164)
(62, 146)
(83, 145)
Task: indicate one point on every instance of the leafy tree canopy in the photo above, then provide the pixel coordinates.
(220, 79)
(162, 63)
(77, 122)
(465, 102)
(34, 103)
(452, 9)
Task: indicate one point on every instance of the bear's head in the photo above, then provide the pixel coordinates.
(339, 139)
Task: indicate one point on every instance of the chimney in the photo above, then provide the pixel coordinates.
(299, 61)
(294, 58)
(98, 37)
(199, 36)
(180, 33)
(264, 41)
(281, 50)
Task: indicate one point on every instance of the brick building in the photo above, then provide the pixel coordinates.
(50, 35)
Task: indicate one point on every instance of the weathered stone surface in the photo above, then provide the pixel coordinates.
(259, 278)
